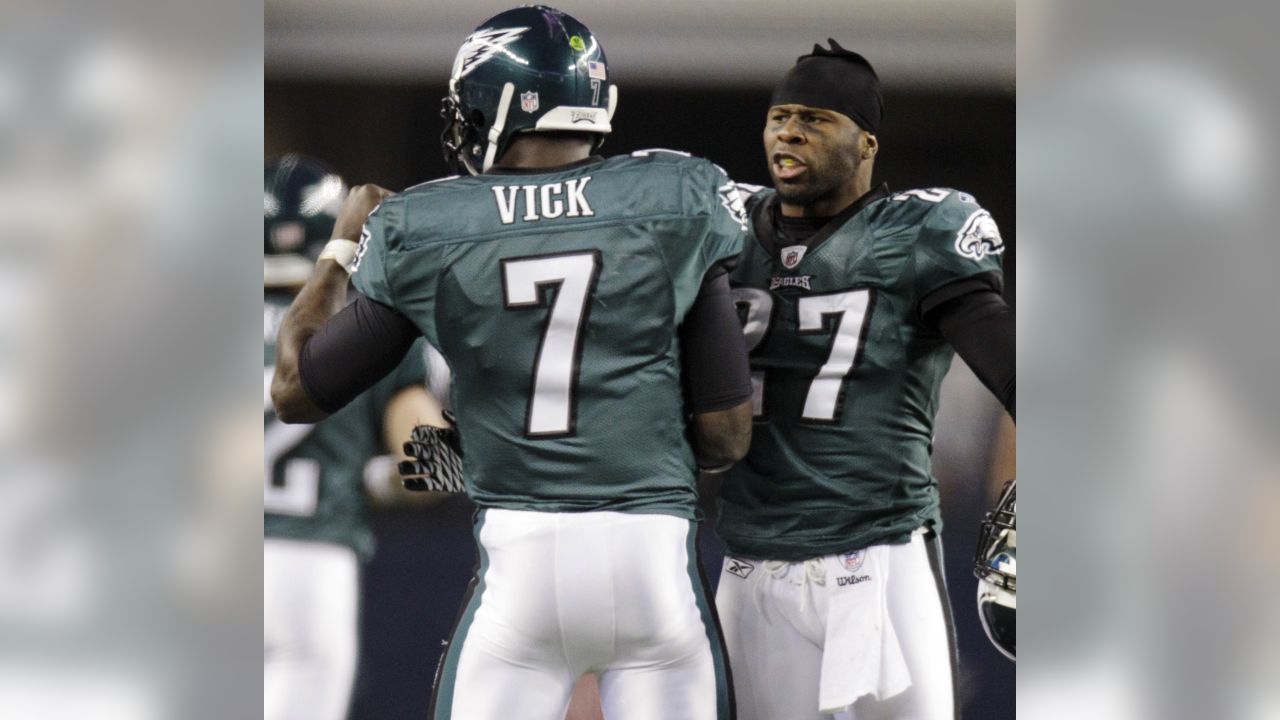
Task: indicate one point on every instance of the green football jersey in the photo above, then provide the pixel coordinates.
(846, 372)
(314, 474)
(555, 298)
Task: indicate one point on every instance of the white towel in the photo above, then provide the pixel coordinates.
(861, 654)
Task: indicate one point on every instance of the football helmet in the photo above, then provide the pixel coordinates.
(300, 206)
(531, 69)
(997, 570)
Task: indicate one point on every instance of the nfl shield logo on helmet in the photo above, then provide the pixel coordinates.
(852, 560)
(791, 256)
(529, 101)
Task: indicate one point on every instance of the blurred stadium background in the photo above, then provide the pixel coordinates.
(358, 83)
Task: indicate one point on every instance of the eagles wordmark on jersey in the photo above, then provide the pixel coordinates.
(846, 372)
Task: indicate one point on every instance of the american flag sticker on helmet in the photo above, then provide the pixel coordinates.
(595, 70)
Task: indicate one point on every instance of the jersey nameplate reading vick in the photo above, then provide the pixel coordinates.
(548, 201)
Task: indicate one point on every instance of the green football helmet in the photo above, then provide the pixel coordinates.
(301, 202)
(996, 566)
(531, 69)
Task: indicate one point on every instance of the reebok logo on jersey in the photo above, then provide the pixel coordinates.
(741, 568)
(543, 202)
(800, 281)
(979, 237)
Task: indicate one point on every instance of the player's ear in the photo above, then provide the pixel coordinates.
(870, 146)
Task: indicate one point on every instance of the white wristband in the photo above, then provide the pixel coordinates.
(342, 252)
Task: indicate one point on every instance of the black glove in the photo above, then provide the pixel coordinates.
(437, 459)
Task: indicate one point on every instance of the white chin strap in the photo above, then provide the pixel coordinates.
(499, 122)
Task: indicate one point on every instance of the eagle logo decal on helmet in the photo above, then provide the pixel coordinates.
(482, 45)
(996, 566)
(516, 73)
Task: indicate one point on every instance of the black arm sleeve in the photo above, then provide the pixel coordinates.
(713, 350)
(980, 326)
(352, 351)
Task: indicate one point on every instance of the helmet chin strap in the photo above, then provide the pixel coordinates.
(499, 122)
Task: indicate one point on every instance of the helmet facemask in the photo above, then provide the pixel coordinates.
(459, 141)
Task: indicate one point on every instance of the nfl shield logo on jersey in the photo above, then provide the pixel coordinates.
(852, 560)
(529, 101)
(791, 256)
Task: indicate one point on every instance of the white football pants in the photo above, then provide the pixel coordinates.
(780, 618)
(309, 616)
(558, 595)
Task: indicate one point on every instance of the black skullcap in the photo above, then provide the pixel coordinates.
(834, 79)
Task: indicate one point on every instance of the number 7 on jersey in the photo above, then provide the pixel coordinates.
(553, 395)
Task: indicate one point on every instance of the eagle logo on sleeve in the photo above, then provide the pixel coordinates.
(363, 246)
(732, 201)
(979, 237)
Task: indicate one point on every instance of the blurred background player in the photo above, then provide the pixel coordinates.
(319, 478)
(571, 295)
(832, 595)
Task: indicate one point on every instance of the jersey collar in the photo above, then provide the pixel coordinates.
(500, 170)
(765, 220)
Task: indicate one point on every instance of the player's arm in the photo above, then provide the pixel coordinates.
(717, 375)
(320, 361)
(975, 319)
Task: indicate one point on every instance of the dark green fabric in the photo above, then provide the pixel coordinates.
(650, 225)
(815, 486)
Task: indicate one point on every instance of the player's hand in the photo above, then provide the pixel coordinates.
(437, 459)
(362, 200)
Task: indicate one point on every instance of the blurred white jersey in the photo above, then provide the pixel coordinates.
(558, 595)
(309, 616)
(861, 635)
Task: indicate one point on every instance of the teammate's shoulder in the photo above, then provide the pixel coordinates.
(405, 213)
(950, 217)
(921, 202)
(691, 170)
(666, 158)
(446, 183)
(661, 156)
(938, 208)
